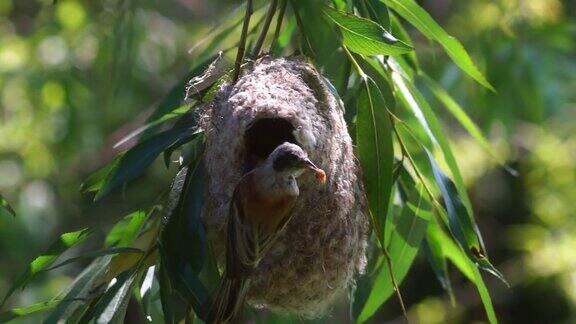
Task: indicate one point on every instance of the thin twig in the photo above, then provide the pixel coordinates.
(242, 45)
(265, 27)
(279, 21)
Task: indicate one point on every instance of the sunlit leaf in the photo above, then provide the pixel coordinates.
(420, 19)
(43, 261)
(125, 230)
(364, 36)
(460, 114)
(415, 101)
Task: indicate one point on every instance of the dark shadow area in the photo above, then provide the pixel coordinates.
(263, 136)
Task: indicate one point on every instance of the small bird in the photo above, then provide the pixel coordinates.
(260, 208)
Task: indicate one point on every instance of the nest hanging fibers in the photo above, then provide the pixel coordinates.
(323, 247)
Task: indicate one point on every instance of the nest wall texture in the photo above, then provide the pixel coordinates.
(322, 248)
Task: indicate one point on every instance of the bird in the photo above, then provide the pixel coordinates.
(260, 208)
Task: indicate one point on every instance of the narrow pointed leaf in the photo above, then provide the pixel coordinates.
(375, 151)
(136, 160)
(398, 29)
(460, 222)
(415, 101)
(420, 19)
(75, 298)
(454, 253)
(111, 306)
(406, 236)
(95, 254)
(124, 231)
(378, 12)
(153, 124)
(43, 261)
(364, 36)
(437, 261)
(19, 312)
(97, 178)
(461, 116)
(183, 263)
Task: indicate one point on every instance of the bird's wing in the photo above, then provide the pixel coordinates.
(242, 241)
(267, 239)
(249, 240)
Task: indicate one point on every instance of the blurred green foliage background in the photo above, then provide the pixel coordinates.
(76, 76)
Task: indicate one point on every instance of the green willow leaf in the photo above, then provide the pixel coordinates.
(136, 160)
(364, 36)
(19, 312)
(415, 101)
(6, 208)
(435, 256)
(375, 151)
(168, 296)
(95, 254)
(420, 19)
(451, 251)
(378, 12)
(97, 178)
(74, 301)
(124, 231)
(154, 124)
(405, 240)
(458, 112)
(43, 261)
(182, 263)
(398, 29)
(460, 222)
(111, 306)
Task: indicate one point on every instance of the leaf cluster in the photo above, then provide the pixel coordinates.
(160, 258)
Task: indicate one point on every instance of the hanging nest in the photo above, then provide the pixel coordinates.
(323, 247)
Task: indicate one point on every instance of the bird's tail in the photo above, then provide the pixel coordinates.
(228, 300)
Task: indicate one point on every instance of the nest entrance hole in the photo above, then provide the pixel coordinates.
(263, 136)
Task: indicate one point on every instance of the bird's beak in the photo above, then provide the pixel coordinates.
(319, 173)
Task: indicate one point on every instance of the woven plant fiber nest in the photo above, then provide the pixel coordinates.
(323, 247)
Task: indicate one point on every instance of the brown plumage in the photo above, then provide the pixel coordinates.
(261, 207)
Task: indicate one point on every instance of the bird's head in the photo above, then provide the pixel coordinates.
(292, 159)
